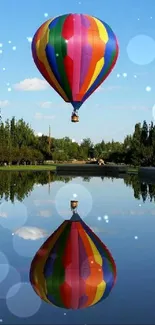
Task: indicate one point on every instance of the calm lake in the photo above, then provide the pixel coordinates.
(122, 214)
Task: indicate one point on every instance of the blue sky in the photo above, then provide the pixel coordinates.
(122, 100)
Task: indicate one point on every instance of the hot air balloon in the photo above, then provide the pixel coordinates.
(73, 269)
(75, 53)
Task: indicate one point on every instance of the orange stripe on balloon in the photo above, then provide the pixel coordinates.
(108, 72)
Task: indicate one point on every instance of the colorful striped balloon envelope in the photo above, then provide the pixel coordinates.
(73, 269)
(75, 53)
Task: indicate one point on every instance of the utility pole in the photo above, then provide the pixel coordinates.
(49, 140)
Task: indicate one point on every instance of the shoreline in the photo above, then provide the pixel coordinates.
(72, 169)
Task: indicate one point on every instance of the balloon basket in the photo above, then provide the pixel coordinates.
(74, 118)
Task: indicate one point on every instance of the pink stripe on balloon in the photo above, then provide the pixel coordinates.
(74, 51)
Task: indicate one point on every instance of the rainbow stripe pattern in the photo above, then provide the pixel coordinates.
(75, 53)
(73, 269)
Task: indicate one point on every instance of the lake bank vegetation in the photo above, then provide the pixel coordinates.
(20, 146)
(17, 185)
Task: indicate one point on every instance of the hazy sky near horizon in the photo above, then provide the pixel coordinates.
(125, 98)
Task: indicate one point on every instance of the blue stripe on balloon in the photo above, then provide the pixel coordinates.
(108, 277)
(33, 45)
(76, 105)
(53, 22)
(51, 57)
(52, 300)
(110, 49)
(49, 265)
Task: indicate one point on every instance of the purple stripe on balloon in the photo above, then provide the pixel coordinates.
(82, 301)
(86, 50)
(85, 21)
(83, 261)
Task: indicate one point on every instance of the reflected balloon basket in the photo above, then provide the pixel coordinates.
(73, 269)
(73, 205)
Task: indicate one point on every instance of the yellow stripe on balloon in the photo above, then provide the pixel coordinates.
(41, 54)
(37, 270)
(40, 285)
(99, 292)
(96, 254)
(102, 31)
(104, 37)
(97, 71)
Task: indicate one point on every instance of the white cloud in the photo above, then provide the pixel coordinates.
(40, 202)
(109, 88)
(4, 103)
(40, 116)
(44, 213)
(98, 230)
(32, 233)
(29, 38)
(3, 215)
(31, 84)
(46, 104)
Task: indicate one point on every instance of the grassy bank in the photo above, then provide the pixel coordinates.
(28, 167)
(130, 170)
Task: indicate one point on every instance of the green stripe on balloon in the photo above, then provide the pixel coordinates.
(58, 276)
(60, 47)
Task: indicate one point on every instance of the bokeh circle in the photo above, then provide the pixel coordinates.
(73, 192)
(4, 267)
(22, 301)
(13, 277)
(141, 49)
(13, 215)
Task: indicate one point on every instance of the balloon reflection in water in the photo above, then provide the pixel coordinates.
(73, 269)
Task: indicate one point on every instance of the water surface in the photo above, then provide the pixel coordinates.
(121, 212)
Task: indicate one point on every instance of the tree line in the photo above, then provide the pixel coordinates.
(20, 145)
